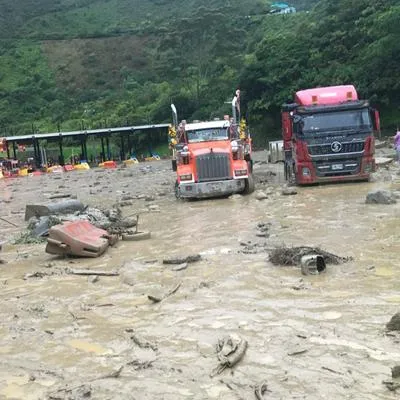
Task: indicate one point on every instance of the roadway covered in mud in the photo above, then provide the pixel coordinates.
(66, 336)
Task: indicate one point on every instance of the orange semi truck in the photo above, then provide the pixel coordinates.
(328, 135)
(211, 158)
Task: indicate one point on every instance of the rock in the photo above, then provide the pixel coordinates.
(180, 267)
(289, 191)
(383, 161)
(394, 323)
(128, 277)
(396, 371)
(381, 197)
(260, 195)
(93, 278)
(182, 260)
(127, 197)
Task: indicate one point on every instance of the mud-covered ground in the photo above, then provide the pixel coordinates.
(309, 337)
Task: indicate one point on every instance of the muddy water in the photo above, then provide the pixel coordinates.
(309, 337)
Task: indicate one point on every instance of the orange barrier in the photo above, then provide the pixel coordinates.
(68, 167)
(35, 173)
(108, 164)
(78, 238)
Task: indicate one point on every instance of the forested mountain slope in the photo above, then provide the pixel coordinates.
(68, 63)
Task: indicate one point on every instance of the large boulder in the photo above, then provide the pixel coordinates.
(381, 197)
(394, 323)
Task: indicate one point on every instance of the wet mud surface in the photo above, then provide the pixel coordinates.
(309, 337)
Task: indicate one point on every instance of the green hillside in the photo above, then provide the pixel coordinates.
(71, 63)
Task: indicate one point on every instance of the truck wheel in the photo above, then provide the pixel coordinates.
(249, 185)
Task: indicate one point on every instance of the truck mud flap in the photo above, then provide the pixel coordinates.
(78, 238)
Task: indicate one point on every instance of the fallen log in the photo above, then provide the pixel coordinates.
(91, 272)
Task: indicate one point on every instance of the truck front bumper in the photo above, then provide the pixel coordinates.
(211, 189)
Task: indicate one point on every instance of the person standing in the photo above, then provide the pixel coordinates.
(397, 144)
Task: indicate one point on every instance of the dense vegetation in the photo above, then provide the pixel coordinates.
(65, 64)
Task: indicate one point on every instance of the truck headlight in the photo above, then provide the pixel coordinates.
(186, 177)
(306, 171)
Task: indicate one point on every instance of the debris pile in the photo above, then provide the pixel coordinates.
(293, 255)
(42, 217)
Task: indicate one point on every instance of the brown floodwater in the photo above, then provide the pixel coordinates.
(310, 337)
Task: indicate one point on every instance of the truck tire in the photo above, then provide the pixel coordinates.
(249, 185)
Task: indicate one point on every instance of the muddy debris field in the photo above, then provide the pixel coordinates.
(215, 304)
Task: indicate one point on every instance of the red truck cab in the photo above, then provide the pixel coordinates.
(211, 158)
(328, 135)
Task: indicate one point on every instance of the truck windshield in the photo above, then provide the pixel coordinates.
(347, 120)
(206, 135)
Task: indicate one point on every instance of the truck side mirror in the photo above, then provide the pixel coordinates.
(377, 122)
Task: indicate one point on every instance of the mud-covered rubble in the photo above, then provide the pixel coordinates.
(110, 220)
(380, 196)
(291, 256)
(110, 339)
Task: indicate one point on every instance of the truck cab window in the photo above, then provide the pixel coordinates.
(206, 135)
(345, 120)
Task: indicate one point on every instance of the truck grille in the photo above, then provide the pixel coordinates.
(338, 167)
(326, 149)
(213, 166)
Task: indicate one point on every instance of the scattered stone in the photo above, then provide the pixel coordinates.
(127, 197)
(93, 278)
(381, 197)
(80, 392)
(182, 260)
(260, 195)
(396, 371)
(139, 365)
(143, 343)
(289, 191)
(394, 323)
(383, 161)
(392, 386)
(263, 229)
(180, 267)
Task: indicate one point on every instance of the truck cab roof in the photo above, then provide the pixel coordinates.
(207, 125)
(326, 95)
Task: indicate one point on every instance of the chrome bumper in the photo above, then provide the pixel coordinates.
(211, 189)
